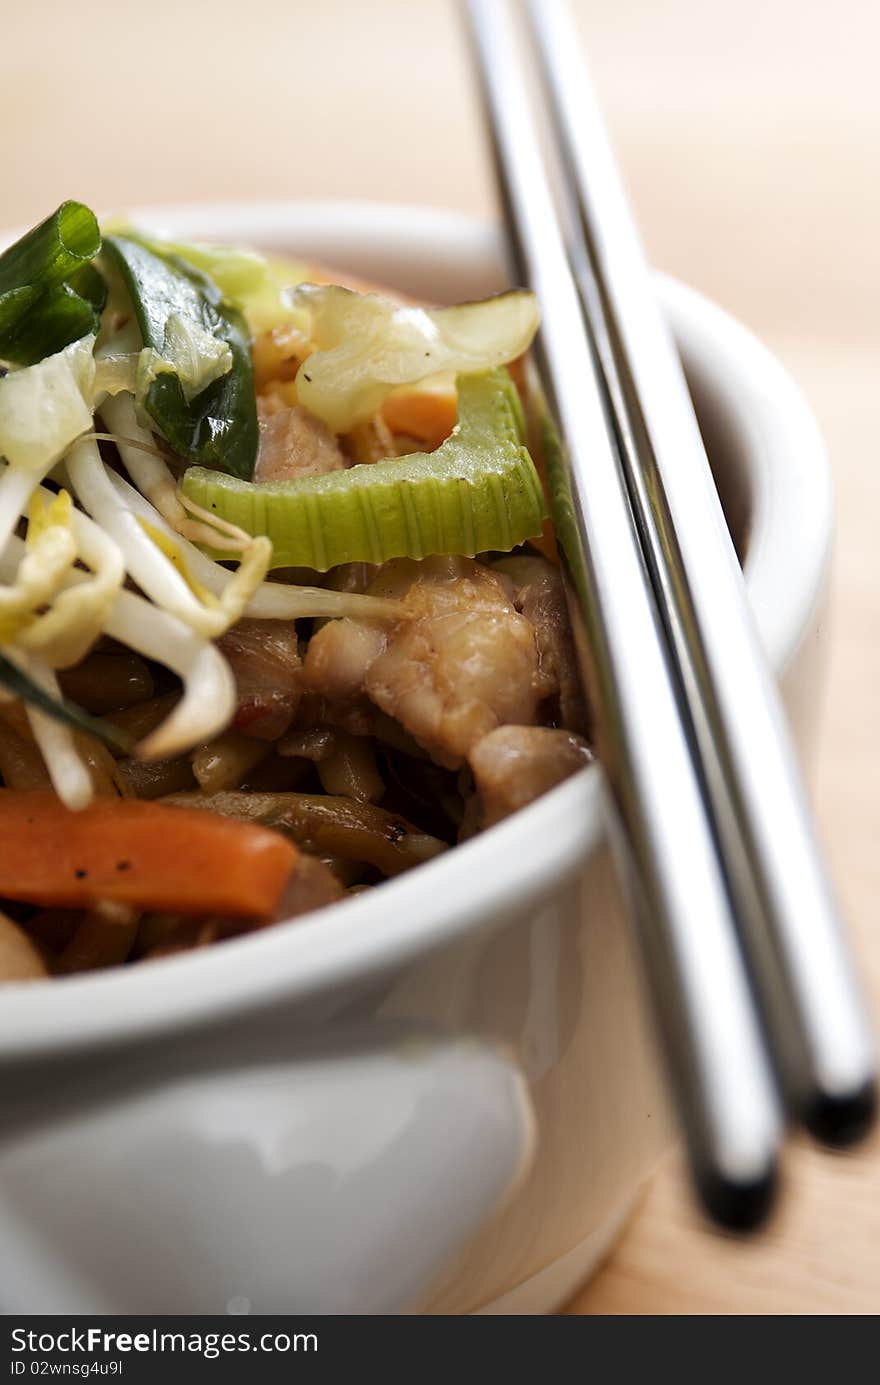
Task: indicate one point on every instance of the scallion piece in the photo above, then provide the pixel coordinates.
(218, 426)
(89, 285)
(479, 491)
(50, 294)
(58, 317)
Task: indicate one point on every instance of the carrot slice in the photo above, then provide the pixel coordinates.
(147, 854)
(428, 416)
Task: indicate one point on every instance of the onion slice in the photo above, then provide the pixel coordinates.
(364, 345)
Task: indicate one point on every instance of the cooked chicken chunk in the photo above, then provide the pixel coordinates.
(370, 441)
(264, 656)
(539, 595)
(460, 663)
(339, 656)
(277, 355)
(516, 764)
(463, 663)
(294, 443)
(20, 959)
(311, 886)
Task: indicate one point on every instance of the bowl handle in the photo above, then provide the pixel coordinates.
(339, 1177)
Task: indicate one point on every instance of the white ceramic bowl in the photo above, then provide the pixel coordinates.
(442, 1093)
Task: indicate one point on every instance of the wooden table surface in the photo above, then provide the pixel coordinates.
(749, 135)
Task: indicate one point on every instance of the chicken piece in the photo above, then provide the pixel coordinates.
(312, 885)
(350, 577)
(540, 596)
(278, 354)
(294, 443)
(339, 656)
(461, 662)
(20, 957)
(516, 764)
(277, 396)
(370, 441)
(264, 656)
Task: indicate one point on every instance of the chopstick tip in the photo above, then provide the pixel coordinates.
(842, 1119)
(737, 1206)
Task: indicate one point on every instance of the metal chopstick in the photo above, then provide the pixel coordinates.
(814, 1014)
(662, 837)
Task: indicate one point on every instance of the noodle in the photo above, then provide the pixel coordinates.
(341, 709)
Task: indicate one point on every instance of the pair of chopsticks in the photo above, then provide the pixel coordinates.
(759, 1014)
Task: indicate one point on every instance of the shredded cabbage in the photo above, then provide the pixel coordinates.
(45, 406)
(364, 345)
(195, 356)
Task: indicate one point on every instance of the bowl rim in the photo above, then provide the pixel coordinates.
(787, 473)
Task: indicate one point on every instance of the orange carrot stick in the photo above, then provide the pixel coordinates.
(427, 415)
(147, 854)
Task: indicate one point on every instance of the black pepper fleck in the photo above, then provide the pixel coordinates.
(80, 874)
(123, 865)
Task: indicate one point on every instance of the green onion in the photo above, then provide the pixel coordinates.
(50, 294)
(57, 318)
(479, 491)
(217, 427)
(90, 286)
(16, 681)
(49, 253)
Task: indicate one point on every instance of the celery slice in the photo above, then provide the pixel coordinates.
(479, 491)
